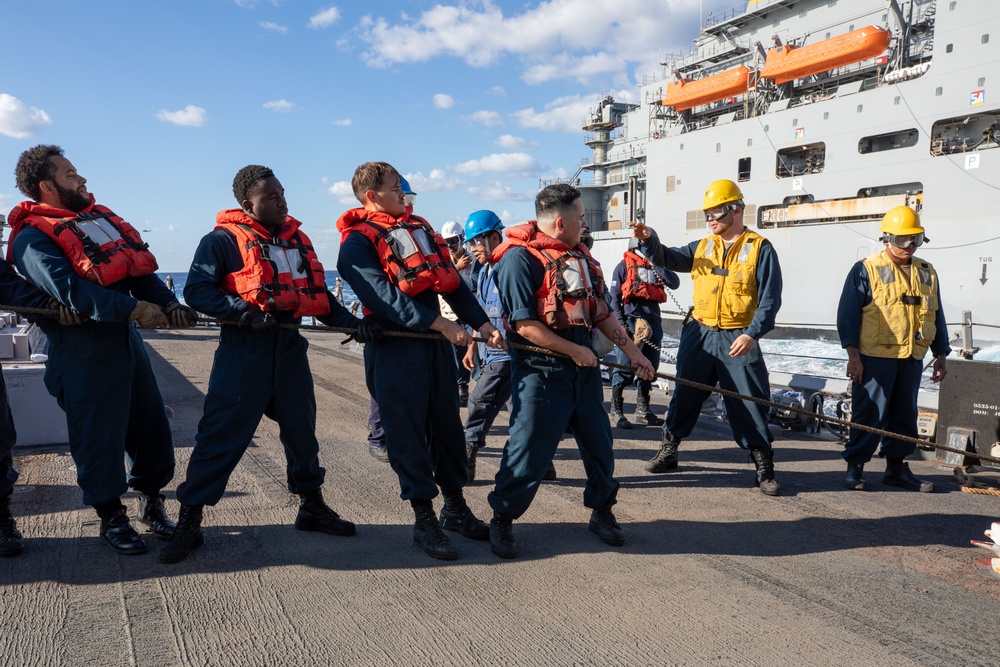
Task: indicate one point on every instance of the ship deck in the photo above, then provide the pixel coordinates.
(713, 571)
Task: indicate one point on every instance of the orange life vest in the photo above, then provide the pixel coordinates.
(413, 255)
(641, 280)
(280, 269)
(572, 291)
(102, 247)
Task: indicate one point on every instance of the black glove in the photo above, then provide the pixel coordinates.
(367, 331)
(257, 319)
(182, 317)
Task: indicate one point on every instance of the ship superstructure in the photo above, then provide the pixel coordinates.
(827, 113)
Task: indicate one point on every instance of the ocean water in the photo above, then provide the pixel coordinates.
(181, 278)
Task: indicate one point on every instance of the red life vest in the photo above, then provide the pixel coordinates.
(413, 255)
(280, 269)
(102, 247)
(572, 291)
(641, 280)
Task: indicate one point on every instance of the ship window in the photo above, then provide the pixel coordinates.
(749, 142)
(951, 6)
(982, 81)
(986, 38)
(718, 148)
(795, 122)
(961, 134)
(885, 17)
(831, 3)
(744, 169)
(753, 31)
(826, 115)
(949, 48)
(896, 100)
(766, 128)
(671, 183)
(889, 141)
(938, 91)
(682, 147)
(798, 160)
(827, 36)
(861, 107)
(851, 29)
(775, 23)
(802, 13)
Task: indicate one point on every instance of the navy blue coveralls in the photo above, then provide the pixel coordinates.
(493, 388)
(100, 375)
(703, 354)
(627, 314)
(14, 291)
(887, 396)
(550, 394)
(255, 373)
(413, 380)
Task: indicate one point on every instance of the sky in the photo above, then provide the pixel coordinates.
(158, 104)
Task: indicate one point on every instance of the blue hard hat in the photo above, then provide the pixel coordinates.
(405, 186)
(480, 222)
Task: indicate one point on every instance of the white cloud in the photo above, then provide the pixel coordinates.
(497, 191)
(498, 91)
(437, 180)
(341, 122)
(190, 116)
(343, 192)
(564, 114)
(500, 163)
(512, 143)
(325, 18)
(282, 105)
(19, 121)
(273, 27)
(442, 101)
(554, 39)
(483, 117)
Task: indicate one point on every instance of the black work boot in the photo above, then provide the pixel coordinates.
(457, 517)
(643, 415)
(855, 476)
(379, 452)
(470, 454)
(502, 537)
(763, 460)
(118, 534)
(314, 514)
(154, 517)
(617, 406)
(11, 543)
(665, 458)
(427, 533)
(897, 473)
(187, 537)
(605, 526)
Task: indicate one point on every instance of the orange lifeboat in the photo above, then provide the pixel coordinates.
(787, 63)
(686, 93)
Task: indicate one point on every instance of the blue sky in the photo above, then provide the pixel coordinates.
(158, 104)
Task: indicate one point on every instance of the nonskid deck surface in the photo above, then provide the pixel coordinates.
(713, 571)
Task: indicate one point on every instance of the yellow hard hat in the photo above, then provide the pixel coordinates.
(901, 221)
(719, 193)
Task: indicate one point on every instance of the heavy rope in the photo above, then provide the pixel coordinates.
(542, 350)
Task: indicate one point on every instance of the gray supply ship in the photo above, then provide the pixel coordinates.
(827, 113)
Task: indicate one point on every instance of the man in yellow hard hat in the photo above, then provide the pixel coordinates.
(737, 294)
(889, 315)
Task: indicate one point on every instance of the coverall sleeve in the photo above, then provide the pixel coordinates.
(615, 290)
(216, 256)
(358, 263)
(941, 344)
(675, 259)
(768, 292)
(16, 291)
(465, 305)
(856, 295)
(40, 260)
(670, 278)
(515, 282)
(151, 288)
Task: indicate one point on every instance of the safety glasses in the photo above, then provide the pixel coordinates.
(905, 242)
(723, 211)
(478, 242)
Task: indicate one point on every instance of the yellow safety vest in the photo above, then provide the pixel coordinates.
(900, 320)
(725, 283)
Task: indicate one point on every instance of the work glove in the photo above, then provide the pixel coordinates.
(181, 316)
(257, 319)
(67, 316)
(149, 316)
(367, 331)
(643, 332)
